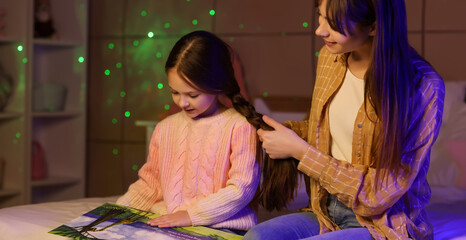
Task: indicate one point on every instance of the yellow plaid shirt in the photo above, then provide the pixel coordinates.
(396, 210)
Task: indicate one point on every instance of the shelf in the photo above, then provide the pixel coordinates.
(62, 132)
(61, 114)
(56, 43)
(10, 115)
(54, 182)
(9, 39)
(9, 193)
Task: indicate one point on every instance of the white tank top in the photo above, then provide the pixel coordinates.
(342, 114)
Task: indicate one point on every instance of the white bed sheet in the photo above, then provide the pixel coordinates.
(34, 221)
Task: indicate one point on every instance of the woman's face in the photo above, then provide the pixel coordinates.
(194, 103)
(335, 41)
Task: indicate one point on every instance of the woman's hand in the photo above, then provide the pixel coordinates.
(282, 142)
(176, 219)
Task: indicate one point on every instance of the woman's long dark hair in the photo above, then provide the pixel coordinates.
(204, 61)
(389, 78)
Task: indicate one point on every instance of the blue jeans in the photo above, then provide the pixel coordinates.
(304, 225)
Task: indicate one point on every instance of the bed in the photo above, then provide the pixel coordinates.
(447, 176)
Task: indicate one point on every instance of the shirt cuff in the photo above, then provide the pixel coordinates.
(313, 162)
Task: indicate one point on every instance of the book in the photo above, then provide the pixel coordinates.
(113, 221)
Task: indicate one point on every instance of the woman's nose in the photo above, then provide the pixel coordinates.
(322, 29)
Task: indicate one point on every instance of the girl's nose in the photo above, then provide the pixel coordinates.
(183, 102)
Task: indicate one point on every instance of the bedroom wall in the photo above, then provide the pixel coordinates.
(275, 42)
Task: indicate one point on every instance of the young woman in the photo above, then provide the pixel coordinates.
(201, 168)
(376, 111)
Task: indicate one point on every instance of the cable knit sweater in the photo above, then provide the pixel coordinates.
(206, 166)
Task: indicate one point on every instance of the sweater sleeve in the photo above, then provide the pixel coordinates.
(355, 185)
(146, 191)
(243, 179)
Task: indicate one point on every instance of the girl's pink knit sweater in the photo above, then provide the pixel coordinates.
(206, 166)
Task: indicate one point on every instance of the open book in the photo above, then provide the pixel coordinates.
(112, 221)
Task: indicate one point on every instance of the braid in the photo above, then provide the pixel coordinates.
(279, 176)
(247, 110)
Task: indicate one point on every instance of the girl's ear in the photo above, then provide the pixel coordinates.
(373, 29)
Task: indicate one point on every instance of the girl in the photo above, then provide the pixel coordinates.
(376, 111)
(201, 168)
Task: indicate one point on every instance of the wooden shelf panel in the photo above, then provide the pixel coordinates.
(10, 115)
(9, 192)
(56, 43)
(54, 181)
(9, 39)
(61, 114)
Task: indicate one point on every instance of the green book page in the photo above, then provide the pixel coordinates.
(112, 221)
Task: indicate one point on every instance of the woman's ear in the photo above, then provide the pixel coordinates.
(373, 29)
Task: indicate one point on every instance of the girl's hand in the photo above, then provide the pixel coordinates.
(282, 142)
(176, 219)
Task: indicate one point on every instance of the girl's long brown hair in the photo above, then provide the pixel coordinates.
(206, 61)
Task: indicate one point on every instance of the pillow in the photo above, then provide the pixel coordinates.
(448, 157)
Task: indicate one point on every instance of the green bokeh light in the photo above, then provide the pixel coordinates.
(158, 55)
(265, 94)
(127, 114)
(150, 34)
(122, 94)
(80, 59)
(135, 167)
(305, 24)
(195, 22)
(167, 107)
(20, 48)
(111, 45)
(143, 13)
(118, 65)
(114, 121)
(15, 141)
(115, 151)
(135, 43)
(109, 101)
(107, 72)
(212, 12)
(160, 85)
(18, 135)
(25, 60)
(166, 25)
(317, 54)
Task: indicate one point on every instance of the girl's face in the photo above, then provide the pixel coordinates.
(193, 102)
(335, 41)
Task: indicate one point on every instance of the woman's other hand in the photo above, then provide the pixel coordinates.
(282, 142)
